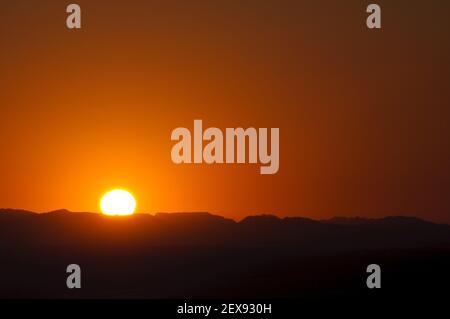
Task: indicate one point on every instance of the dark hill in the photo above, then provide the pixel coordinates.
(203, 255)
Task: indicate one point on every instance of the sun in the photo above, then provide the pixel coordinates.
(118, 202)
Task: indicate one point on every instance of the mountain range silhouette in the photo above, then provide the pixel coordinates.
(200, 255)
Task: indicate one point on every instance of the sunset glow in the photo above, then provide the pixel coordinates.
(363, 130)
(118, 202)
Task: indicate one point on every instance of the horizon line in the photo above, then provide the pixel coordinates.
(356, 217)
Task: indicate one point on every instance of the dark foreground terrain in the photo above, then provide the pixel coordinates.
(198, 255)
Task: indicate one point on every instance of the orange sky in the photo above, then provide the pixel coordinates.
(363, 115)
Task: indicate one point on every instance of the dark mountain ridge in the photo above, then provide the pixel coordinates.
(205, 229)
(200, 255)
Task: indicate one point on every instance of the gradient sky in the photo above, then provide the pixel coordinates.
(363, 114)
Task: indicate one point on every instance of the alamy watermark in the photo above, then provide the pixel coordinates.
(236, 145)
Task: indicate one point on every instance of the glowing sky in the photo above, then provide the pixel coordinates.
(363, 115)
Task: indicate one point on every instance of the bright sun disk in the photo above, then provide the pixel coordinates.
(118, 202)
